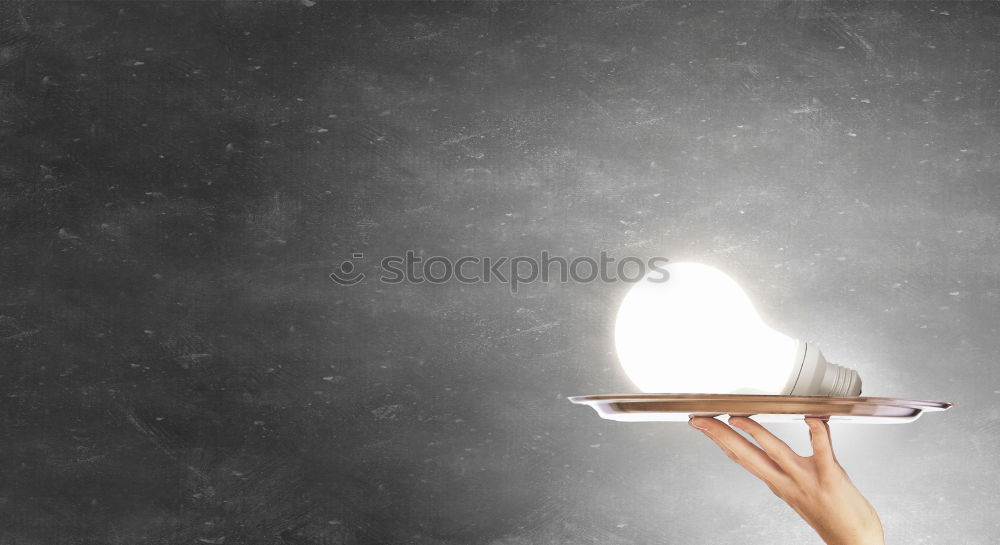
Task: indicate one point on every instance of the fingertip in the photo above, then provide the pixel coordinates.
(697, 423)
(745, 423)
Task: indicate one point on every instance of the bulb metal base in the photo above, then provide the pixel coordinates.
(818, 377)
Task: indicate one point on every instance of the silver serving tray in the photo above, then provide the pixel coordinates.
(765, 408)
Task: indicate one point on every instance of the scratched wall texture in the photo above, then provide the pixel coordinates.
(177, 180)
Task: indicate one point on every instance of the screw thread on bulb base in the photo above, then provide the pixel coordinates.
(845, 382)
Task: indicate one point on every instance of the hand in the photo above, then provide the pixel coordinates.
(815, 486)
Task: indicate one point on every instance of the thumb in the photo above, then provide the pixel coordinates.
(819, 436)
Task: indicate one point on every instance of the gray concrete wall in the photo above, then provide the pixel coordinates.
(178, 180)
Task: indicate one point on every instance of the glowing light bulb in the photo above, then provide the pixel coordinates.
(693, 330)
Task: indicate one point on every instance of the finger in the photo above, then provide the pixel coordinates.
(819, 436)
(775, 448)
(742, 451)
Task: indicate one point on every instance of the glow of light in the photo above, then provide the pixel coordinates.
(697, 332)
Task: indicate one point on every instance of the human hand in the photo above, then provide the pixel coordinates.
(816, 487)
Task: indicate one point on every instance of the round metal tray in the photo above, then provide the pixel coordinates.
(765, 408)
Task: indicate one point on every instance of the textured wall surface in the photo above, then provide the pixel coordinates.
(178, 180)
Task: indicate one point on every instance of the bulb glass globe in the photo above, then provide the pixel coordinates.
(695, 330)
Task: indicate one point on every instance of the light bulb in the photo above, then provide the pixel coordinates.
(693, 330)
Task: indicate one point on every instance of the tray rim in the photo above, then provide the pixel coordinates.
(651, 407)
(923, 405)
